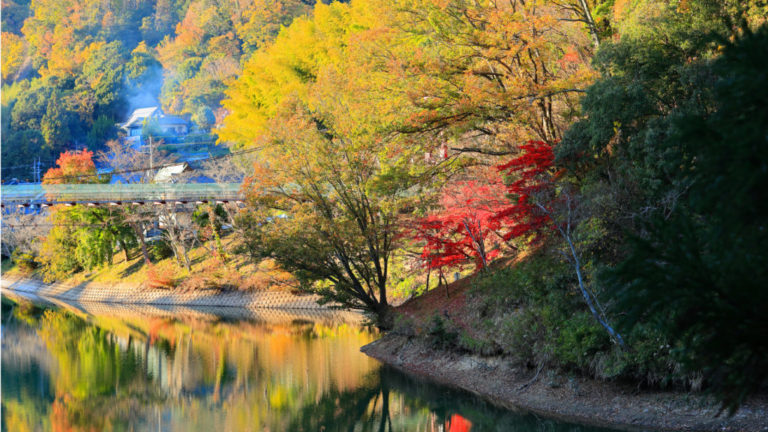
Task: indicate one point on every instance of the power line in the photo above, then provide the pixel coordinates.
(135, 170)
(53, 225)
(43, 163)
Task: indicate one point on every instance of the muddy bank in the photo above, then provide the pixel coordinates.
(142, 295)
(572, 399)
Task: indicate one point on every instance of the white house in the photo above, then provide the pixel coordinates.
(169, 124)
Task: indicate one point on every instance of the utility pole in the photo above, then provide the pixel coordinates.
(36, 170)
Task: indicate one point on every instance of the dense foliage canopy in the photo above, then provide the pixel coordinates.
(74, 69)
(609, 156)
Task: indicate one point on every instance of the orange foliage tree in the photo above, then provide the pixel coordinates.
(492, 74)
(73, 167)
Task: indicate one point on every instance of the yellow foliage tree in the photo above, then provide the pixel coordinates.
(331, 177)
(14, 55)
(492, 75)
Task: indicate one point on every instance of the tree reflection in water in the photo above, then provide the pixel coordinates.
(390, 400)
(85, 368)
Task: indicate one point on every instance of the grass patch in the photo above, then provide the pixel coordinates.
(207, 272)
(7, 266)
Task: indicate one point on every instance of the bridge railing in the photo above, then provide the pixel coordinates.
(121, 192)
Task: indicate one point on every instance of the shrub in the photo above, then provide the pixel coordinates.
(160, 277)
(442, 333)
(268, 275)
(649, 361)
(474, 345)
(25, 261)
(403, 325)
(160, 250)
(520, 335)
(577, 341)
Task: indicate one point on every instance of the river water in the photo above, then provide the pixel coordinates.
(89, 367)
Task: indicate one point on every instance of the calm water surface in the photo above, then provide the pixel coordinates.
(111, 368)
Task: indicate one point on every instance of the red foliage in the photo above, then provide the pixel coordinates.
(466, 228)
(477, 218)
(533, 187)
(458, 423)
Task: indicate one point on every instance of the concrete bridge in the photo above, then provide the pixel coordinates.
(118, 194)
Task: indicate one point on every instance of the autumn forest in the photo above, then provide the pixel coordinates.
(594, 173)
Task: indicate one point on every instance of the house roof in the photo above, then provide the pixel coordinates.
(171, 120)
(165, 175)
(138, 115)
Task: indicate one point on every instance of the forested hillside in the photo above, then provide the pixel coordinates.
(73, 69)
(599, 166)
(616, 149)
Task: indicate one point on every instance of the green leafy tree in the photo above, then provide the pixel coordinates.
(327, 218)
(331, 180)
(81, 237)
(55, 124)
(102, 130)
(703, 266)
(204, 118)
(103, 75)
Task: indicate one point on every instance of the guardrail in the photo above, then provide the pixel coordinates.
(118, 193)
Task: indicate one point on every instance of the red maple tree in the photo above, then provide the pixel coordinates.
(478, 217)
(466, 229)
(532, 192)
(532, 206)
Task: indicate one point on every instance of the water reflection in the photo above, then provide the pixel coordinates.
(94, 368)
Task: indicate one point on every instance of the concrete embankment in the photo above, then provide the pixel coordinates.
(137, 295)
(129, 311)
(568, 398)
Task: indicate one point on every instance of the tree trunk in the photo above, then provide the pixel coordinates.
(441, 279)
(590, 22)
(187, 263)
(600, 318)
(588, 298)
(385, 319)
(140, 234)
(125, 250)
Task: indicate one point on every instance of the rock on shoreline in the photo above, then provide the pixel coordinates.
(577, 400)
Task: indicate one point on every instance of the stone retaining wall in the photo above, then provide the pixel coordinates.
(270, 316)
(130, 294)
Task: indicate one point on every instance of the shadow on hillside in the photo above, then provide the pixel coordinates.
(133, 268)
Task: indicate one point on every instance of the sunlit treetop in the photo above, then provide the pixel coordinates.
(73, 167)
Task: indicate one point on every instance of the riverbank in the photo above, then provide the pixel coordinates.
(574, 399)
(210, 282)
(141, 294)
(476, 334)
(207, 271)
(149, 312)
